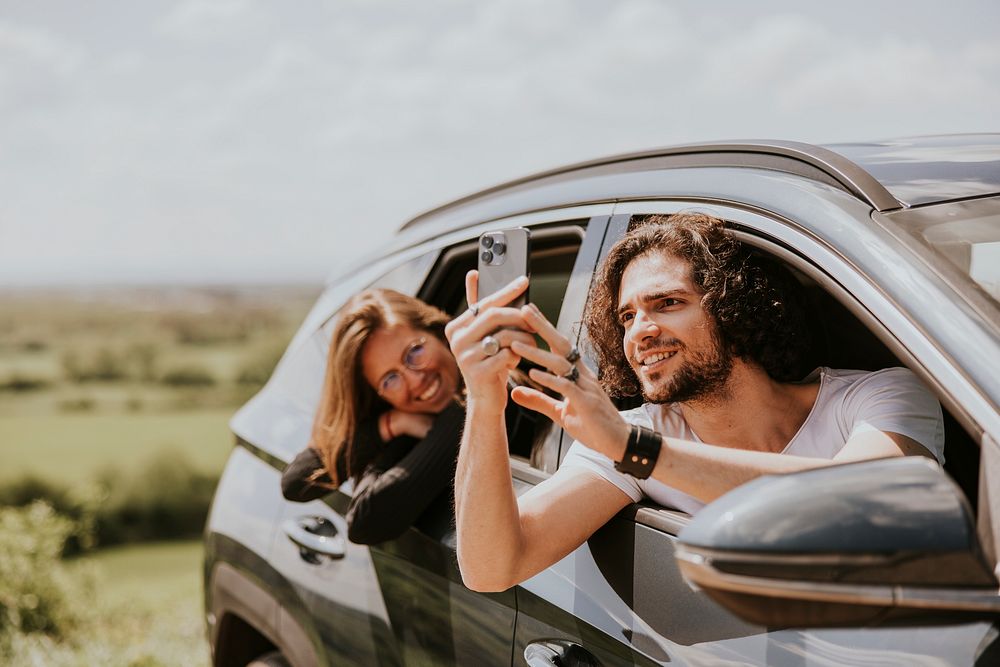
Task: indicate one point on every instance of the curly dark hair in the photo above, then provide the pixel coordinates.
(757, 304)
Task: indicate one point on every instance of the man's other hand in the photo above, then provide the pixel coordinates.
(585, 411)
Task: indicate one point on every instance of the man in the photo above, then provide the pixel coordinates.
(708, 332)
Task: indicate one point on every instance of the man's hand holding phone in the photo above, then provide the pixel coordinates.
(481, 337)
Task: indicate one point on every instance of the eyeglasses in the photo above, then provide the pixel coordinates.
(416, 357)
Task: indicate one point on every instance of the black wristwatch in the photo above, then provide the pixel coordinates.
(641, 452)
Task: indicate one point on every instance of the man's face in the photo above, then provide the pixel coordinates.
(670, 341)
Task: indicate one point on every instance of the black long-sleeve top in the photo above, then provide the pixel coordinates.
(407, 477)
(402, 481)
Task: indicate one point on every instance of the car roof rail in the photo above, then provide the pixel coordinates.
(803, 159)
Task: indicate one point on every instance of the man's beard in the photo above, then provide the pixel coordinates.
(701, 376)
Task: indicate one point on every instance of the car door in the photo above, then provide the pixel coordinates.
(620, 599)
(324, 583)
(602, 604)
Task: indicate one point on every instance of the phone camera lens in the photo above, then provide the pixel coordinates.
(499, 248)
(487, 256)
(487, 242)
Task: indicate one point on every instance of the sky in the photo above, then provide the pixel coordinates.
(218, 141)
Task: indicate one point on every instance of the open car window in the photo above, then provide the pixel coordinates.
(843, 335)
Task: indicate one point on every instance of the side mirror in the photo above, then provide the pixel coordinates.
(857, 544)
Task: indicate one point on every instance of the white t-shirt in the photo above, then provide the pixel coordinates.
(848, 402)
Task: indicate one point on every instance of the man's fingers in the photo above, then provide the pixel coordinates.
(473, 319)
(465, 318)
(550, 381)
(554, 362)
(537, 401)
(516, 340)
(472, 287)
(557, 342)
(505, 359)
(505, 294)
(501, 362)
(490, 322)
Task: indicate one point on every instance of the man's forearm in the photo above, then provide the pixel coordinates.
(486, 512)
(709, 471)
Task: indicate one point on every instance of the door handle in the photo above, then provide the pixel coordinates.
(558, 653)
(316, 537)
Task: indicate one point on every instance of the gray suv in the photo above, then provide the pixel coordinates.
(880, 562)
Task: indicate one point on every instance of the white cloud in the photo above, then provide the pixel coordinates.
(36, 68)
(211, 19)
(227, 136)
(33, 46)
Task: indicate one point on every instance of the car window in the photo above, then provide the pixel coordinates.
(840, 339)
(553, 253)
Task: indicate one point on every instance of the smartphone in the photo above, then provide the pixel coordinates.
(503, 256)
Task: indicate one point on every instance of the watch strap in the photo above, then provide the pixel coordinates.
(641, 452)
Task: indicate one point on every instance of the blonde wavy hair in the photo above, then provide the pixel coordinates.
(347, 399)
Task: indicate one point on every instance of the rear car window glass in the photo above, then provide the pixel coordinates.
(553, 253)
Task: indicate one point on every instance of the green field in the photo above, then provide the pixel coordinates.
(95, 378)
(150, 604)
(158, 573)
(69, 448)
(123, 394)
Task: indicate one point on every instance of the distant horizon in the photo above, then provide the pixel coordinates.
(85, 286)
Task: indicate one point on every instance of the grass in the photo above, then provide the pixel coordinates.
(151, 576)
(146, 612)
(68, 448)
(151, 604)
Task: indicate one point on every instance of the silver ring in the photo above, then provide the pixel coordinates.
(574, 355)
(490, 346)
(474, 309)
(573, 375)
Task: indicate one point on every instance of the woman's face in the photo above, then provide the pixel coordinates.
(412, 369)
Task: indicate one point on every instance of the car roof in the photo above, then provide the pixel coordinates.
(888, 175)
(930, 170)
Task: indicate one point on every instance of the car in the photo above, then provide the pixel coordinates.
(880, 562)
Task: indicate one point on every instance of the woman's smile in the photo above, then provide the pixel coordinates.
(387, 365)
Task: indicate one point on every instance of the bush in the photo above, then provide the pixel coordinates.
(37, 594)
(167, 499)
(143, 357)
(188, 376)
(105, 365)
(207, 329)
(22, 383)
(79, 507)
(82, 404)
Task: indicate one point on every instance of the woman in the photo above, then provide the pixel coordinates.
(390, 418)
